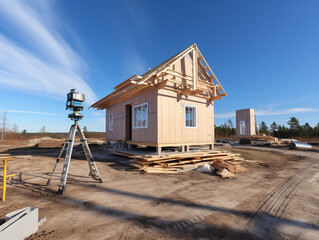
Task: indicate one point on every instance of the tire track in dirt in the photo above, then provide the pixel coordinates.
(278, 200)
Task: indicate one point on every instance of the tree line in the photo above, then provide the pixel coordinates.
(294, 129)
(13, 133)
(225, 130)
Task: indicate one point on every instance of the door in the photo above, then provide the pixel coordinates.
(128, 122)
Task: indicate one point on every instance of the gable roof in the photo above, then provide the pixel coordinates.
(137, 83)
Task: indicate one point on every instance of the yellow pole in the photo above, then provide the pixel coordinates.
(4, 180)
(4, 187)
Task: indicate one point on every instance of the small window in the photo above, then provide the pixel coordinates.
(190, 117)
(111, 121)
(242, 128)
(140, 116)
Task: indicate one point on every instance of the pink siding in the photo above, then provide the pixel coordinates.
(247, 115)
(171, 119)
(140, 135)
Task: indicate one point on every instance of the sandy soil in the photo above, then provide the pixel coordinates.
(276, 198)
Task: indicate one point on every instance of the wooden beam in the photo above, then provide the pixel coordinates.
(171, 62)
(197, 91)
(195, 70)
(207, 84)
(161, 84)
(185, 92)
(211, 72)
(177, 74)
(134, 77)
(190, 92)
(215, 98)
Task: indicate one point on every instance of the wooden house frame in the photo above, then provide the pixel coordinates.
(170, 105)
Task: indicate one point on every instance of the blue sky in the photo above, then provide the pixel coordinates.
(264, 53)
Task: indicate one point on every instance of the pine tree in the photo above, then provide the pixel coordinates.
(273, 127)
(263, 128)
(230, 123)
(293, 124)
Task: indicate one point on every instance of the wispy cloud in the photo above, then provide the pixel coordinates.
(30, 112)
(225, 115)
(36, 58)
(270, 111)
(286, 111)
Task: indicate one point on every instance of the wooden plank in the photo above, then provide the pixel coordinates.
(195, 70)
(176, 162)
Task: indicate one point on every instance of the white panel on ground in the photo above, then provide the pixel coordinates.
(20, 224)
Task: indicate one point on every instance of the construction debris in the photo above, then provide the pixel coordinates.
(231, 166)
(225, 173)
(176, 163)
(299, 145)
(205, 168)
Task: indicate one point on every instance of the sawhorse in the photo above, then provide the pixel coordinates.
(5, 158)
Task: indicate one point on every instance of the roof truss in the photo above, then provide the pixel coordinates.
(160, 76)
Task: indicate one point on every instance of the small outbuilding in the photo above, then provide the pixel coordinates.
(170, 105)
(246, 123)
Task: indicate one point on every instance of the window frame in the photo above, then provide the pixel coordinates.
(196, 124)
(111, 129)
(133, 115)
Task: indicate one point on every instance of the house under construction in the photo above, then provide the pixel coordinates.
(170, 105)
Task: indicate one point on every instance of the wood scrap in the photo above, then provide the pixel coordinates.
(224, 173)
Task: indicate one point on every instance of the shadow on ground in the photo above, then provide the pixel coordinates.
(183, 229)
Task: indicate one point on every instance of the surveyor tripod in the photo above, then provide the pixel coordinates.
(68, 146)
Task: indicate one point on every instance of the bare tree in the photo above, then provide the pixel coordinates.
(15, 128)
(4, 126)
(43, 130)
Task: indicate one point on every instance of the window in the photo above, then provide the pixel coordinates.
(111, 121)
(242, 128)
(190, 117)
(140, 116)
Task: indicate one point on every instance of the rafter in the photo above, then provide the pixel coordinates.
(154, 79)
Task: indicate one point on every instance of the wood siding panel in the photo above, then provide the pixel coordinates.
(171, 112)
(171, 119)
(141, 135)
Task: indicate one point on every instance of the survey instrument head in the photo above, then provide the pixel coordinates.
(75, 102)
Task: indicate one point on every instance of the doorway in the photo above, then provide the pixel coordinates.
(128, 122)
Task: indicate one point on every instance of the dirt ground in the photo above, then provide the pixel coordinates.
(276, 198)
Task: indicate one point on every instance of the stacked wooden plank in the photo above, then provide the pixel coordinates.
(231, 166)
(181, 162)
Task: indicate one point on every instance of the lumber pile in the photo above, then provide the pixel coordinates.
(181, 162)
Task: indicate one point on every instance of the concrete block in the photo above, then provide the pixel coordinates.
(20, 224)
